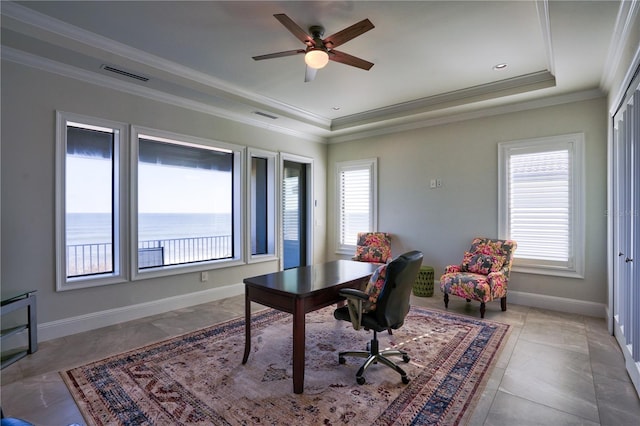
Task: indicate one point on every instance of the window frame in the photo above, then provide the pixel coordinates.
(120, 204)
(574, 144)
(370, 164)
(272, 205)
(238, 203)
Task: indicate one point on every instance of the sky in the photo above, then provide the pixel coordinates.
(162, 189)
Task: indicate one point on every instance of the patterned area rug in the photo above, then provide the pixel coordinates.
(198, 378)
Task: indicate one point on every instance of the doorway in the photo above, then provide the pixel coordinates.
(296, 217)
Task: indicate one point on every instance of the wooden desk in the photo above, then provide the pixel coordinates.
(298, 291)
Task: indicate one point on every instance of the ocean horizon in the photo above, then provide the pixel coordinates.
(95, 228)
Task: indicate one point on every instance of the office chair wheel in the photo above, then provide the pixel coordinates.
(360, 380)
(341, 360)
(405, 379)
(406, 358)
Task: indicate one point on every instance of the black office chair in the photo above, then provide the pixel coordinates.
(391, 309)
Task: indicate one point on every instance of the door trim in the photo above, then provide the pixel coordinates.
(310, 204)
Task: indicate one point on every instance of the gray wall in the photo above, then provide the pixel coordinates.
(442, 222)
(30, 99)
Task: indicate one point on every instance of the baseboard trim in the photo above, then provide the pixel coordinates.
(67, 326)
(561, 304)
(632, 367)
(78, 324)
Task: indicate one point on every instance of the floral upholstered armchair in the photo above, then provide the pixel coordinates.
(374, 247)
(483, 274)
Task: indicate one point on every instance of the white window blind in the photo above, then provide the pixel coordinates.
(541, 197)
(539, 194)
(356, 201)
(290, 208)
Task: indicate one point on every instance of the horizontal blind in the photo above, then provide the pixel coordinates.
(290, 208)
(355, 204)
(540, 205)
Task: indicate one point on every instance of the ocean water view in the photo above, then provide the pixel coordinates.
(95, 228)
(164, 239)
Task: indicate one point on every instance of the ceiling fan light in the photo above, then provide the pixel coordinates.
(316, 58)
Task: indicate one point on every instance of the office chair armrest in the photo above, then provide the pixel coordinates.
(355, 300)
(353, 292)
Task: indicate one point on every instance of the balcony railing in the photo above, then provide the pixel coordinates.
(97, 258)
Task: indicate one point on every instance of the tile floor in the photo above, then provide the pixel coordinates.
(556, 369)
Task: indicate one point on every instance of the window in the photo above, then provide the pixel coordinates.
(187, 210)
(357, 201)
(171, 204)
(90, 201)
(262, 205)
(541, 203)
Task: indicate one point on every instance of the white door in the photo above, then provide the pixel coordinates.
(626, 230)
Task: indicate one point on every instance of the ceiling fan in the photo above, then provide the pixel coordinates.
(320, 51)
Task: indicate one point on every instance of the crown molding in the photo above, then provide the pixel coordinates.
(224, 89)
(424, 112)
(48, 65)
(422, 122)
(542, 7)
(616, 100)
(621, 33)
(510, 86)
(416, 122)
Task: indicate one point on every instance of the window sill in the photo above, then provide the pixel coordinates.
(167, 271)
(346, 251)
(91, 281)
(262, 258)
(547, 271)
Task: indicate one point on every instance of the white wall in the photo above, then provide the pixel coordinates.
(442, 222)
(30, 98)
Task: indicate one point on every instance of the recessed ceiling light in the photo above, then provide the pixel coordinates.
(500, 66)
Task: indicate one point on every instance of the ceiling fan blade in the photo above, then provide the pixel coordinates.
(294, 28)
(309, 74)
(278, 54)
(348, 33)
(347, 59)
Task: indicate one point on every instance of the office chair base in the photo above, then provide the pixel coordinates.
(374, 358)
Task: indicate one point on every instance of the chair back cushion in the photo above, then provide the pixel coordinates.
(393, 301)
(487, 255)
(480, 263)
(374, 288)
(373, 247)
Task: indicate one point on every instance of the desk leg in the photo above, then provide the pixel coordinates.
(298, 346)
(247, 326)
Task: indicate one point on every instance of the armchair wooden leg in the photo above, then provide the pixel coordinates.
(503, 303)
(482, 309)
(446, 300)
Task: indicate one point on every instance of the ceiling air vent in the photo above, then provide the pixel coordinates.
(264, 114)
(124, 73)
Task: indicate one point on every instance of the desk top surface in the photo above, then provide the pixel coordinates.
(308, 279)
